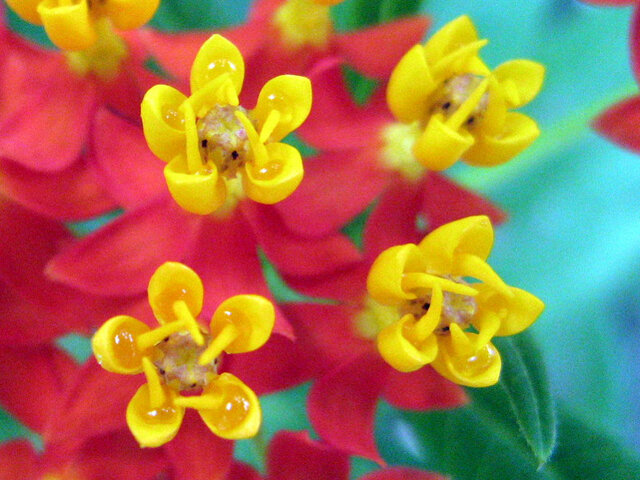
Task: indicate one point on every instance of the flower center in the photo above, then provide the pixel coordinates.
(303, 23)
(455, 92)
(176, 359)
(104, 57)
(456, 308)
(223, 140)
(397, 151)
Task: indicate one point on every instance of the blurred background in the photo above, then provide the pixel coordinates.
(573, 199)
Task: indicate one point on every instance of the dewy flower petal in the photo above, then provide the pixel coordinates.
(218, 151)
(182, 357)
(461, 106)
(436, 307)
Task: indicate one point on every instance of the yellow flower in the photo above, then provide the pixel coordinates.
(212, 144)
(450, 304)
(71, 24)
(181, 357)
(461, 105)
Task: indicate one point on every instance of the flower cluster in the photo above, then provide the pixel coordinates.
(409, 317)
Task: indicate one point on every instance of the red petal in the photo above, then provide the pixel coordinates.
(402, 473)
(277, 365)
(68, 195)
(620, 123)
(392, 40)
(337, 186)
(242, 471)
(325, 334)
(294, 456)
(31, 382)
(130, 172)
(348, 284)
(446, 201)
(198, 454)
(295, 255)
(225, 257)
(117, 456)
(393, 221)
(18, 460)
(635, 42)
(342, 405)
(424, 389)
(95, 404)
(46, 122)
(335, 122)
(120, 258)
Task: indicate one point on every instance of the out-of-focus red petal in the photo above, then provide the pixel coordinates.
(326, 334)
(295, 456)
(224, 255)
(31, 382)
(635, 42)
(18, 460)
(198, 454)
(295, 255)
(393, 220)
(120, 258)
(424, 389)
(277, 365)
(392, 40)
(72, 194)
(46, 115)
(620, 123)
(446, 201)
(117, 456)
(401, 473)
(130, 172)
(335, 121)
(347, 284)
(94, 404)
(337, 186)
(242, 471)
(343, 402)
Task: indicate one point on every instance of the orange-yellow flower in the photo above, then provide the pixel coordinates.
(180, 358)
(450, 304)
(460, 107)
(218, 151)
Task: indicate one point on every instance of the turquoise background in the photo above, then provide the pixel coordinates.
(573, 237)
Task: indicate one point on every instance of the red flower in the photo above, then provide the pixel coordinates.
(294, 456)
(620, 122)
(290, 36)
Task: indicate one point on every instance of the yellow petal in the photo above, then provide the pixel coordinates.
(163, 121)
(454, 35)
(130, 14)
(440, 146)
(328, 2)
(290, 95)
(153, 426)
(466, 265)
(216, 57)
(252, 316)
(26, 9)
(410, 86)
(202, 192)
(521, 80)
(516, 313)
(276, 179)
(170, 283)
(480, 369)
(401, 352)
(237, 414)
(519, 132)
(114, 345)
(470, 235)
(384, 282)
(69, 27)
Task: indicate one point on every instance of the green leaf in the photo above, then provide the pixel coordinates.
(390, 9)
(521, 401)
(363, 13)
